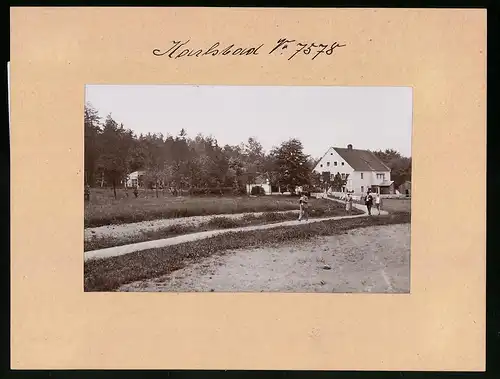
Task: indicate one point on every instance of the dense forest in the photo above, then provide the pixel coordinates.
(200, 164)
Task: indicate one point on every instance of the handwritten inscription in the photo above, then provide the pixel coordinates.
(305, 48)
(181, 49)
(288, 47)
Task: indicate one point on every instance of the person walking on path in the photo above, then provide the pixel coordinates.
(303, 208)
(369, 202)
(378, 203)
(348, 204)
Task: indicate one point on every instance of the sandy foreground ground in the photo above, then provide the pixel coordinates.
(374, 259)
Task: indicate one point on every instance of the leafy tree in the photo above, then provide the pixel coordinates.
(338, 182)
(291, 164)
(155, 160)
(326, 179)
(314, 177)
(137, 158)
(91, 154)
(234, 174)
(178, 156)
(181, 162)
(115, 143)
(400, 165)
(257, 191)
(254, 158)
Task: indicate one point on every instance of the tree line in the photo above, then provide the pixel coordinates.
(200, 164)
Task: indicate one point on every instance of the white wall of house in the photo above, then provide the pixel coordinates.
(380, 176)
(332, 162)
(358, 181)
(362, 180)
(132, 179)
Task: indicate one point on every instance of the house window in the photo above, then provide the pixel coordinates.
(327, 164)
(362, 189)
(361, 178)
(342, 163)
(320, 165)
(381, 176)
(343, 176)
(335, 163)
(331, 153)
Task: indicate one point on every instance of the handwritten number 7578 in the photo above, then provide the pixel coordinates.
(305, 48)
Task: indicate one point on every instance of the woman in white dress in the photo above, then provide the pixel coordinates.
(348, 204)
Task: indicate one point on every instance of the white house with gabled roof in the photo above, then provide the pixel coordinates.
(134, 179)
(363, 168)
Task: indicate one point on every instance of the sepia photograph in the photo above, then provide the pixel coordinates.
(247, 188)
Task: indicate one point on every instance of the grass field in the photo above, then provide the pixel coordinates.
(103, 209)
(392, 205)
(110, 273)
(396, 205)
(217, 222)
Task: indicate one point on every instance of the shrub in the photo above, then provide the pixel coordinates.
(257, 191)
(223, 223)
(272, 216)
(212, 191)
(249, 217)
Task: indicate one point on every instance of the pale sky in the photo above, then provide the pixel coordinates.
(366, 117)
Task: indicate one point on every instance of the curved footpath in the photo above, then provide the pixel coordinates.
(126, 249)
(136, 228)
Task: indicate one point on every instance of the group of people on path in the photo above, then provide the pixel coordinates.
(368, 202)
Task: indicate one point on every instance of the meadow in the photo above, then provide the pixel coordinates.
(104, 209)
(397, 205)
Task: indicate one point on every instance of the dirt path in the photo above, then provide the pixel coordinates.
(374, 259)
(126, 249)
(136, 228)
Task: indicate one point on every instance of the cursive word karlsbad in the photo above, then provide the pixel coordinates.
(289, 47)
(181, 49)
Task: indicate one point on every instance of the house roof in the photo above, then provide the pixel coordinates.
(137, 173)
(386, 183)
(361, 160)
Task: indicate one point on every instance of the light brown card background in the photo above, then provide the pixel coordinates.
(439, 326)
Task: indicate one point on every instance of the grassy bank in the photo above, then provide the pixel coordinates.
(217, 222)
(396, 205)
(110, 273)
(105, 210)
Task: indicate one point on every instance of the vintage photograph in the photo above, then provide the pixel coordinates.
(247, 189)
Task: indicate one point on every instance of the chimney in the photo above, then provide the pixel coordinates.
(349, 147)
